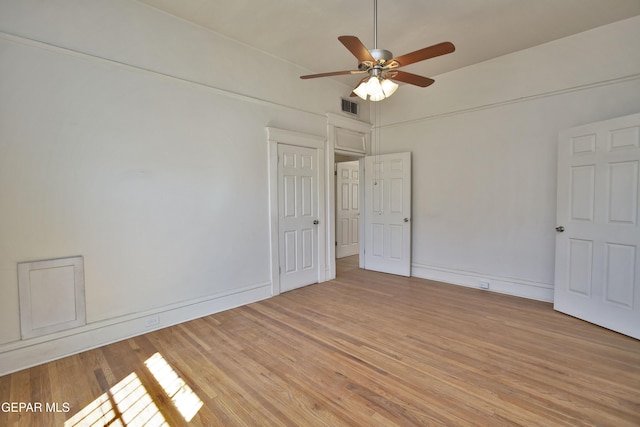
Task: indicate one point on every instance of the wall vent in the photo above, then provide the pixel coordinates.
(350, 107)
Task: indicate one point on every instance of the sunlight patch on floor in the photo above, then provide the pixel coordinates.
(184, 399)
(128, 403)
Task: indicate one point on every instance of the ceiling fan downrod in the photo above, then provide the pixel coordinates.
(378, 54)
(375, 24)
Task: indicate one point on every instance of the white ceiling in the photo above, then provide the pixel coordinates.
(305, 32)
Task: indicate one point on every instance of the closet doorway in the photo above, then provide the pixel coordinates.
(348, 142)
(347, 203)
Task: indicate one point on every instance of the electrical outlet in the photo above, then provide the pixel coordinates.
(484, 285)
(151, 321)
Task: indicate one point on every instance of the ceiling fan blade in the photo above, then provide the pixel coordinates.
(425, 53)
(414, 79)
(333, 73)
(356, 47)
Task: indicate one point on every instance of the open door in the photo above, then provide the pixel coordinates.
(597, 275)
(387, 213)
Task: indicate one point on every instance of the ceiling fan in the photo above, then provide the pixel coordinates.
(381, 67)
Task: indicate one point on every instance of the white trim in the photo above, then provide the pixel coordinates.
(23, 354)
(506, 102)
(348, 123)
(361, 190)
(15, 38)
(504, 285)
(277, 136)
(299, 139)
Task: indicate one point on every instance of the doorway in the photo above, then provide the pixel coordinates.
(347, 209)
(378, 232)
(296, 209)
(348, 140)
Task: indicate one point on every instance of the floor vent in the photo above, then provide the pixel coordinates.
(350, 107)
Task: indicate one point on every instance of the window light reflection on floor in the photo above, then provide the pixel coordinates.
(126, 404)
(184, 399)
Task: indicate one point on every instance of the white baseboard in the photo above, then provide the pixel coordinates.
(23, 354)
(503, 285)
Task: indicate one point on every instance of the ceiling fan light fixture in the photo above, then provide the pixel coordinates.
(376, 88)
(377, 97)
(361, 90)
(388, 87)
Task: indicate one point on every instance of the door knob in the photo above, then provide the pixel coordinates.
(406, 220)
(559, 229)
(316, 222)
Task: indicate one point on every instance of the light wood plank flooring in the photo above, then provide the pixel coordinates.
(367, 349)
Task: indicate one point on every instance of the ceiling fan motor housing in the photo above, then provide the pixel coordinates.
(381, 54)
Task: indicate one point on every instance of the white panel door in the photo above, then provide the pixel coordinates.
(347, 209)
(597, 276)
(298, 216)
(387, 213)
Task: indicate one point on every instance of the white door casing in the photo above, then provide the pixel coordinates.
(597, 275)
(290, 266)
(387, 213)
(347, 209)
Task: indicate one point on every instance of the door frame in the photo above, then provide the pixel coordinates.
(277, 136)
(336, 124)
(326, 148)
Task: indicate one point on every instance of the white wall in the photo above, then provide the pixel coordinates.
(138, 141)
(484, 152)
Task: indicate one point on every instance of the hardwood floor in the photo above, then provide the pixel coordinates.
(367, 349)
